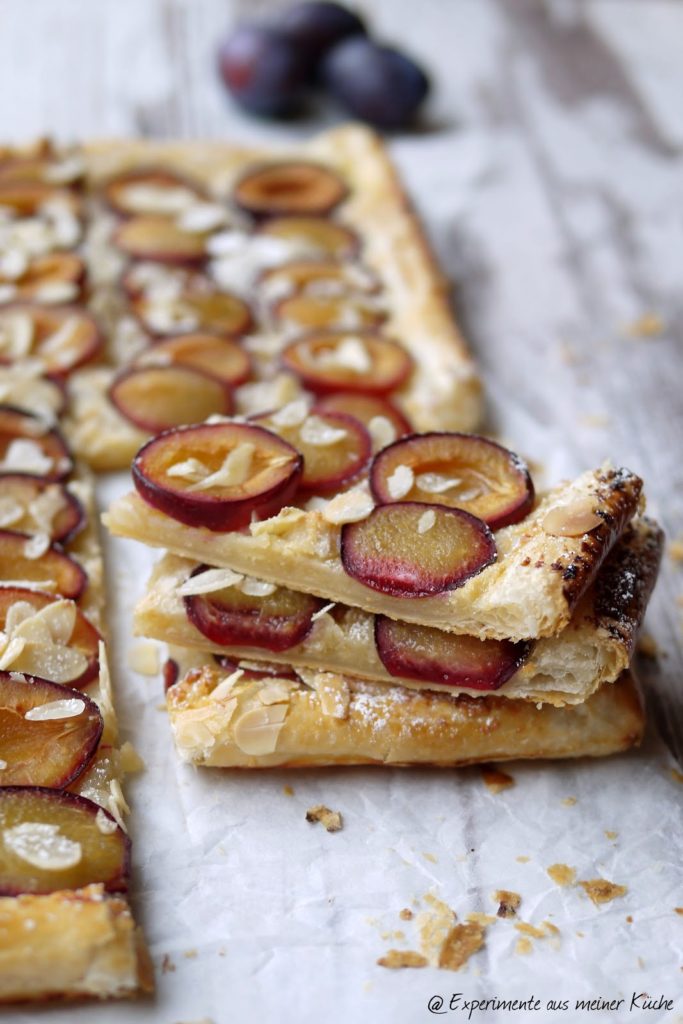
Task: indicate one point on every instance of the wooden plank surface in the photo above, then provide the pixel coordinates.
(550, 175)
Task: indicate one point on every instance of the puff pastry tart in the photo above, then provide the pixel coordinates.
(213, 610)
(252, 720)
(160, 283)
(439, 529)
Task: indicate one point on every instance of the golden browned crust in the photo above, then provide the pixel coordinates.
(530, 591)
(372, 723)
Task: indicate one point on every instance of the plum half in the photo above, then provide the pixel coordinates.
(433, 656)
(78, 634)
(217, 312)
(28, 445)
(217, 475)
(48, 733)
(416, 550)
(335, 447)
(61, 338)
(358, 361)
(53, 571)
(289, 188)
(149, 236)
(315, 312)
(56, 277)
(317, 235)
(366, 408)
(313, 275)
(220, 357)
(150, 190)
(155, 398)
(50, 840)
(229, 617)
(458, 471)
(30, 504)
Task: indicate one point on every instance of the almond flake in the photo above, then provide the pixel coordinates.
(426, 521)
(65, 170)
(143, 658)
(56, 291)
(58, 345)
(400, 482)
(56, 709)
(226, 686)
(190, 469)
(10, 511)
(11, 651)
(274, 693)
(436, 483)
(16, 335)
(143, 198)
(209, 581)
(234, 471)
(349, 507)
(292, 414)
(105, 824)
(323, 611)
(573, 519)
(256, 588)
(13, 264)
(351, 354)
(41, 845)
(382, 432)
(316, 432)
(256, 732)
(25, 456)
(36, 546)
(201, 217)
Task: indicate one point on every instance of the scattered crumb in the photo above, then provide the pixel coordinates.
(676, 775)
(143, 658)
(398, 936)
(640, 962)
(435, 926)
(130, 759)
(495, 780)
(476, 918)
(599, 890)
(430, 857)
(523, 947)
(649, 325)
(288, 791)
(551, 928)
(462, 941)
(522, 859)
(679, 910)
(530, 929)
(397, 958)
(648, 646)
(509, 902)
(595, 420)
(167, 965)
(568, 354)
(569, 801)
(581, 935)
(406, 914)
(221, 951)
(190, 954)
(675, 549)
(629, 919)
(562, 874)
(610, 834)
(332, 820)
(162, 707)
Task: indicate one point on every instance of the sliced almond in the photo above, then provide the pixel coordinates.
(426, 521)
(56, 709)
(316, 432)
(209, 581)
(256, 588)
(400, 482)
(235, 470)
(573, 519)
(256, 732)
(105, 824)
(349, 507)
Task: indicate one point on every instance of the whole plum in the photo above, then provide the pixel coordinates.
(265, 71)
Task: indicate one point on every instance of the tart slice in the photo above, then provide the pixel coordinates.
(220, 611)
(229, 719)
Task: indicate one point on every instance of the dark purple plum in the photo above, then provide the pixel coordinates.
(377, 84)
(264, 70)
(318, 25)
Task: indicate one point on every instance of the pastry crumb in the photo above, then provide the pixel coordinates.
(551, 928)
(561, 874)
(476, 918)
(462, 942)
(523, 859)
(430, 857)
(331, 820)
(398, 958)
(599, 890)
(131, 761)
(288, 790)
(167, 965)
(523, 947)
(143, 658)
(530, 929)
(509, 902)
(610, 834)
(649, 325)
(495, 780)
(679, 910)
(569, 801)
(406, 914)
(190, 954)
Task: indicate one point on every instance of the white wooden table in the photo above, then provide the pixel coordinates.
(550, 175)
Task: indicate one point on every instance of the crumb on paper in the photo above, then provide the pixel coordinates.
(143, 658)
(131, 761)
(648, 646)
(675, 549)
(406, 914)
(496, 780)
(190, 954)
(676, 775)
(551, 928)
(678, 910)
(331, 820)
(430, 857)
(649, 325)
(462, 942)
(523, 947)
(398, 958)
(569, 801)
(610, 834)
(167, 965)
(288, 790)
(509, 902)
(477, 918)
(530, 929)
(562, 874)
(629, 918)
(599, 890)
(522, 859)
(595, 420)
(568, 354)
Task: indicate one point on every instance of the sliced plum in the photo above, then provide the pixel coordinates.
(150, 236)
(28, 445)
(367, 408)
(433, 656)
(55, 278)
(155, 398)
(48, 733)
(358, 361)
(416, 550)
(313, 312)
(458, 471)
(319, 276)
(53, 570)
(215, 312)
(265, 72)
(60, 644)
(26, 198)
(289, 188)
(218, 475)
(220, 357)
(50, 840)
(60, 338)
(316, 235)
(273, 621)
(151, 190)
(31, 504)
(335, 447)
(170, 673)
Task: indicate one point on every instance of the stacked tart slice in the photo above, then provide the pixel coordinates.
(336, 602)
